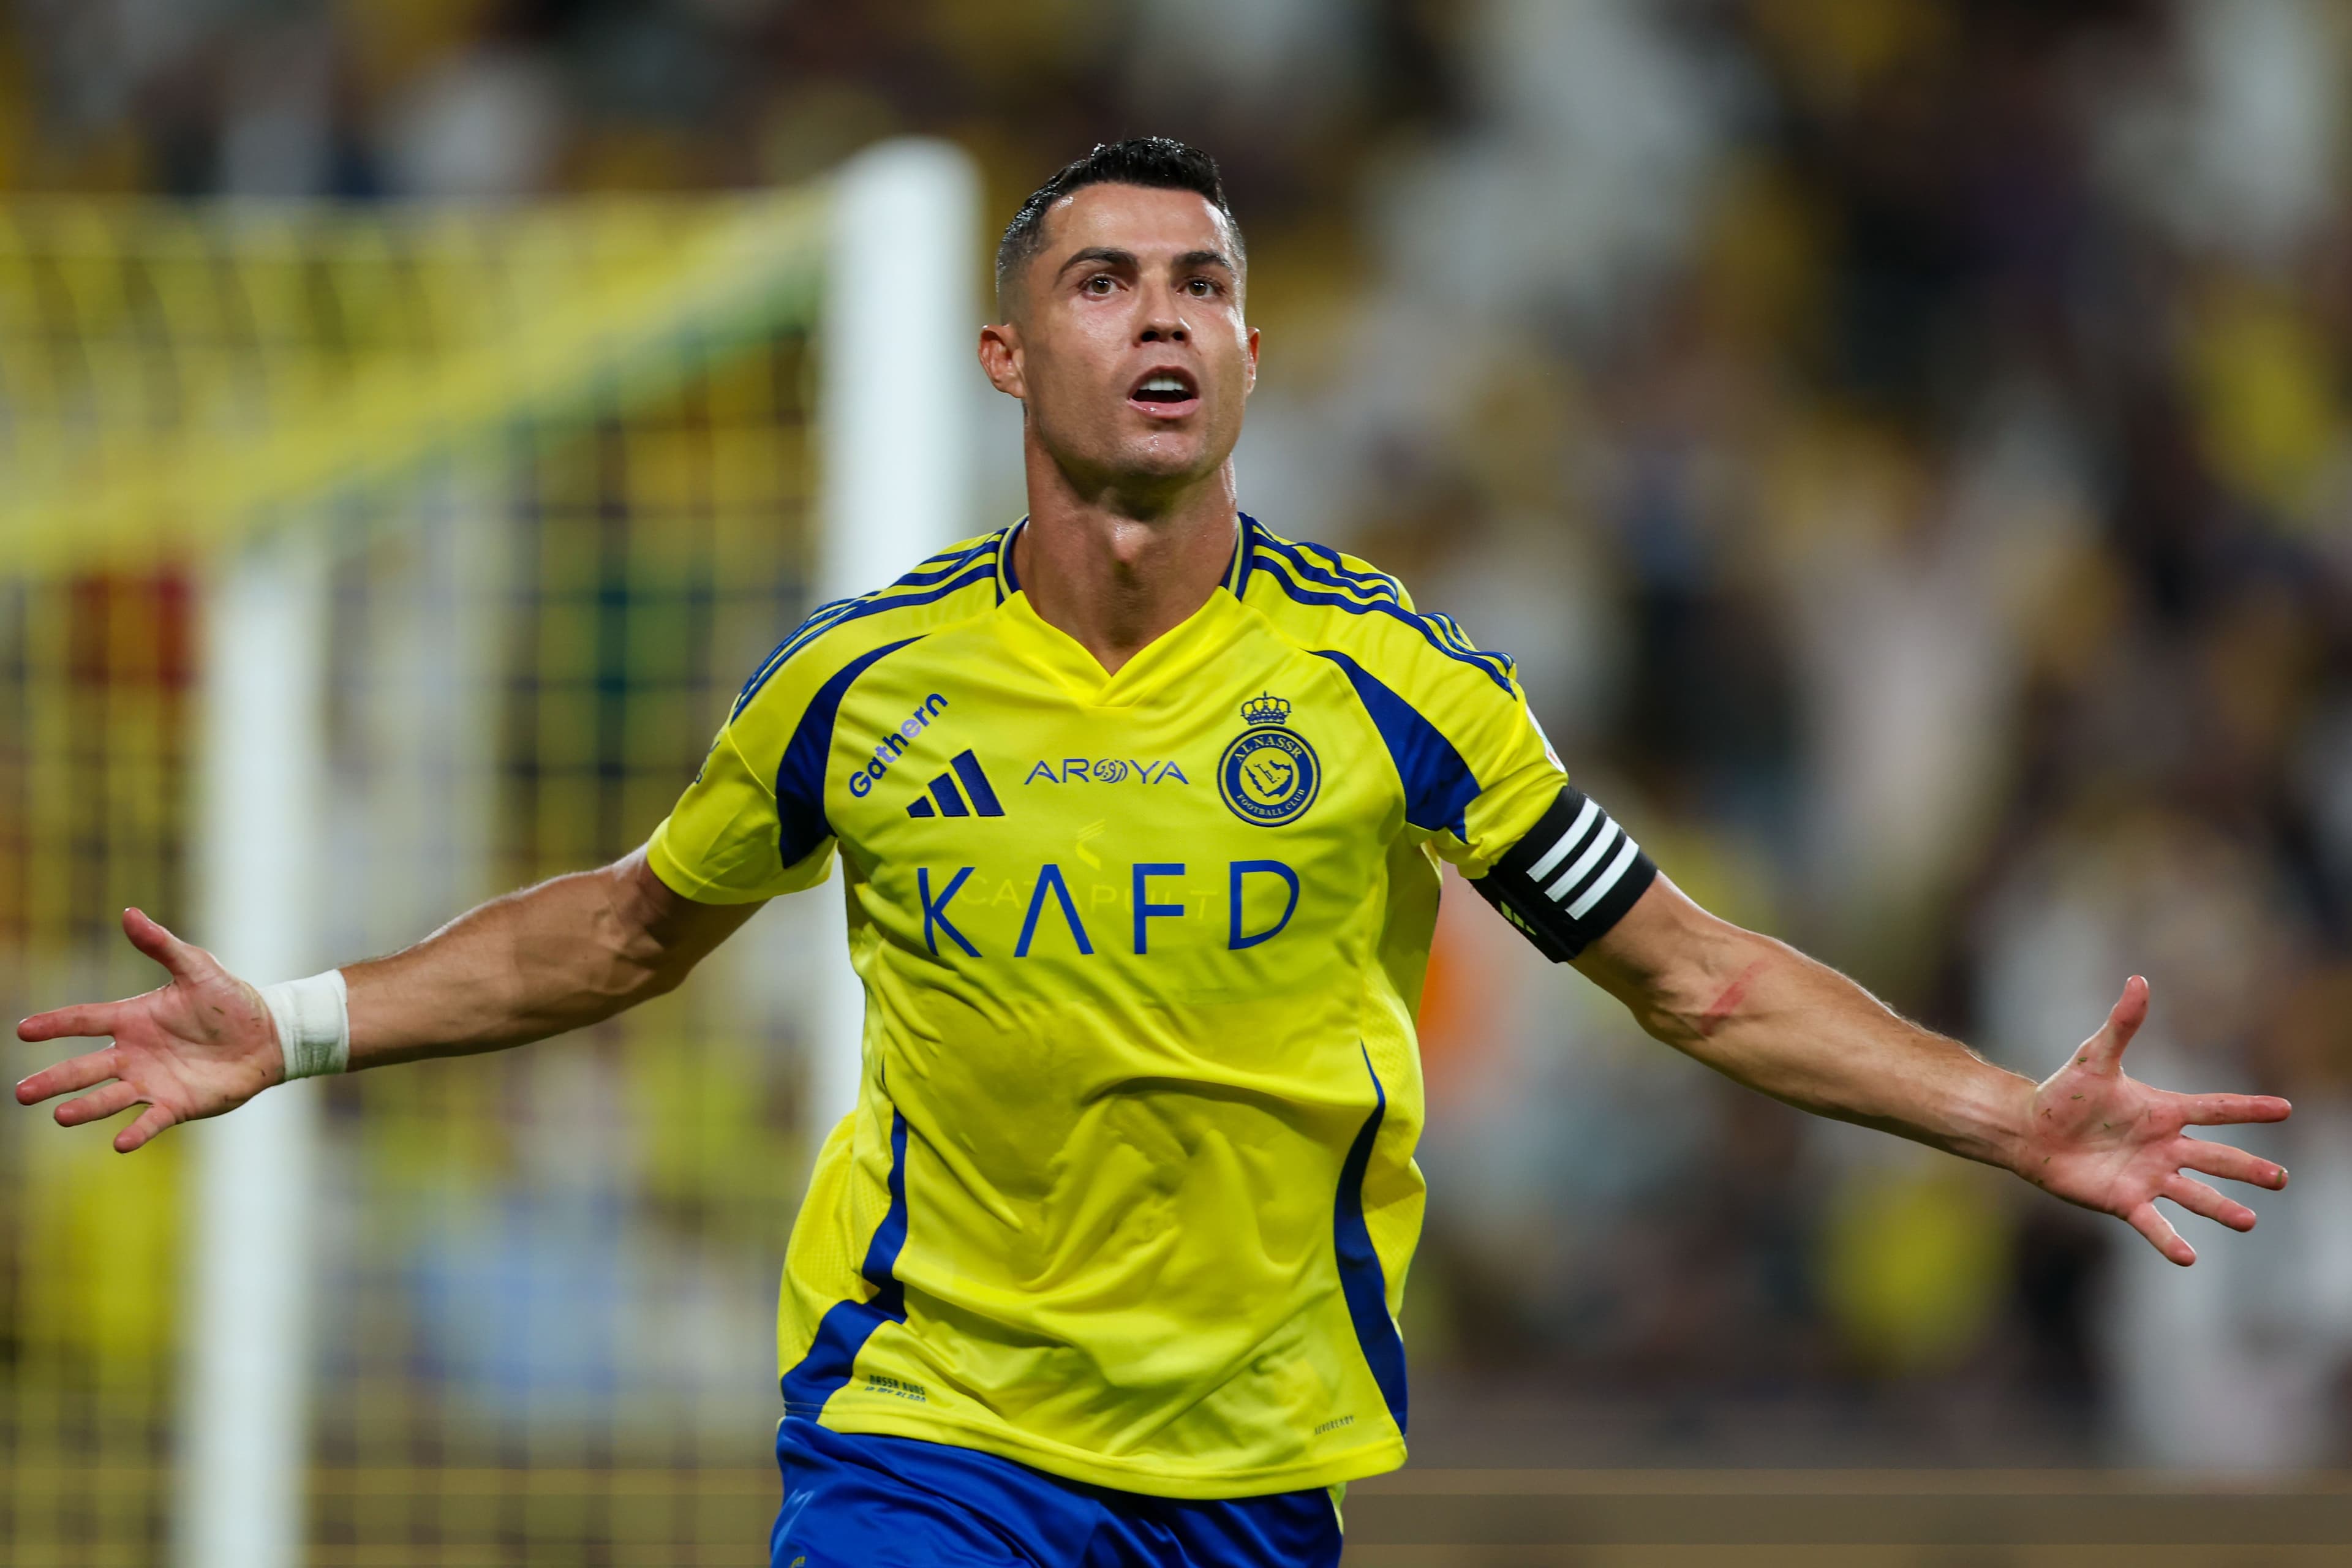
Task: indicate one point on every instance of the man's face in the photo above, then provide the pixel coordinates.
(1127, 341)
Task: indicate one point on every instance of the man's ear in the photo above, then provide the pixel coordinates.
(1249, 380)
(1001, 358)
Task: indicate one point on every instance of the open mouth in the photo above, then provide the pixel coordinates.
(1166, 393)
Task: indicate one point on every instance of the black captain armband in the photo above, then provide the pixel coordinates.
(1572, 876)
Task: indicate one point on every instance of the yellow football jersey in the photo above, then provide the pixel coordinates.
(1129, 1192)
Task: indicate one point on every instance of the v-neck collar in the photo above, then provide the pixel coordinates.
(1172, 656)
(1008, 582)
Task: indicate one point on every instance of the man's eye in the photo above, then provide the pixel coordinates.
(1098, 284)
(1202, 287)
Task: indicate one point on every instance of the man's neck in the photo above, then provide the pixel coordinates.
(1116, 571)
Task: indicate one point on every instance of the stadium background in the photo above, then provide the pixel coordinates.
(1904, 445)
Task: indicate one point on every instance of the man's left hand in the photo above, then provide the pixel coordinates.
(2098, 1138)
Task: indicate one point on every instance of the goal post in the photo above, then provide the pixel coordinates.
(900, 333)
(242, 1448)
(240, 440)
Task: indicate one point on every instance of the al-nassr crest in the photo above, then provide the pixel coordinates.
(1268, 776)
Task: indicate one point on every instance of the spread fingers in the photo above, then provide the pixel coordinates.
(67, 1077)
(2233, 1164)
(99, 1104)
(2198, 1199)
(2160, 1234)
(152, 1122)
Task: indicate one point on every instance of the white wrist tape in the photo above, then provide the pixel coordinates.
(314, 1023)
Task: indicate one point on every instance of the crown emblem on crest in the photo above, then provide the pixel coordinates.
(1265, 710)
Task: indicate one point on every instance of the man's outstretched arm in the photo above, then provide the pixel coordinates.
(567, 952)
(1760, 1012)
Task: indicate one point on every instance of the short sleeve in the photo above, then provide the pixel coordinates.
(751, 825)
(1482, 780)
(1476, 769)
(1481, 784)
(722, 843)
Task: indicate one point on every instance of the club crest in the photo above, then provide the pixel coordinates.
(1268, 776)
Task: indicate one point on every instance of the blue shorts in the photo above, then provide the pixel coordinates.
(855, 1501)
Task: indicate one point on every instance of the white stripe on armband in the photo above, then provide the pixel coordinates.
(314, 1023)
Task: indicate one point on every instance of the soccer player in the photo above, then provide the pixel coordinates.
(1141, 808)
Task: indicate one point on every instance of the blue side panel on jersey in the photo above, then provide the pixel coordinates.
(1438, 785)
(1360, 1280)
(847, 1325)
(841, 612)
(799, 777)
(1301, 577)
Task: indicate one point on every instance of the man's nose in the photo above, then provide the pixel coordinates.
(1163, 322)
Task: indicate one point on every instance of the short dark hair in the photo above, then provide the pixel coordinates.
(1160, 162)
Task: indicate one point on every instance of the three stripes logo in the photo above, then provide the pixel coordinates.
(1591, 857)
(975, 798)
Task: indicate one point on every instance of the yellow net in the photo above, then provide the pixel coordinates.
(561, 456)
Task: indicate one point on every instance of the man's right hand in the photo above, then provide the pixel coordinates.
(199, 1045)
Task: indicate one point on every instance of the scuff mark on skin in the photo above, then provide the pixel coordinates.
(1719, 1011)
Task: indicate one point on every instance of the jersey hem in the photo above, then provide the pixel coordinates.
(1145, 1476)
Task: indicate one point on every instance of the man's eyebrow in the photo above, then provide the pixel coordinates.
(1102, 253)
(1112, 257)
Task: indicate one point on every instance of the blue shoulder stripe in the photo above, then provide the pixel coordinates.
(767, 667)
(1319, 563)
(1295, 577)
(841, 612)
(1372, 584)
(800, 775)
(1438, 785)
(947, 564)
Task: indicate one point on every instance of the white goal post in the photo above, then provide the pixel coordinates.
(897, 337)
(897, 321)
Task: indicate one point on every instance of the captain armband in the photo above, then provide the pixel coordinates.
(1572, 876)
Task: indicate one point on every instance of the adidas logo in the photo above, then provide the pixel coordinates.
(950, 800)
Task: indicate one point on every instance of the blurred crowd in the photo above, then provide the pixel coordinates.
(1905, 447)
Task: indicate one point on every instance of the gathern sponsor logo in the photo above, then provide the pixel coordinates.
(1268, 776)
(895, 745)
(1105, 770)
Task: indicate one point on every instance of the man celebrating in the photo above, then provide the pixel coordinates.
(1140, 808)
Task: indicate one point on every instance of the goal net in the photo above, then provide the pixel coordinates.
(542, 486)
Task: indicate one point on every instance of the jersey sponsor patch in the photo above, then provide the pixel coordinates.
(1269, 774)
(1572, 876)
(896, 744)
(1105, 770)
